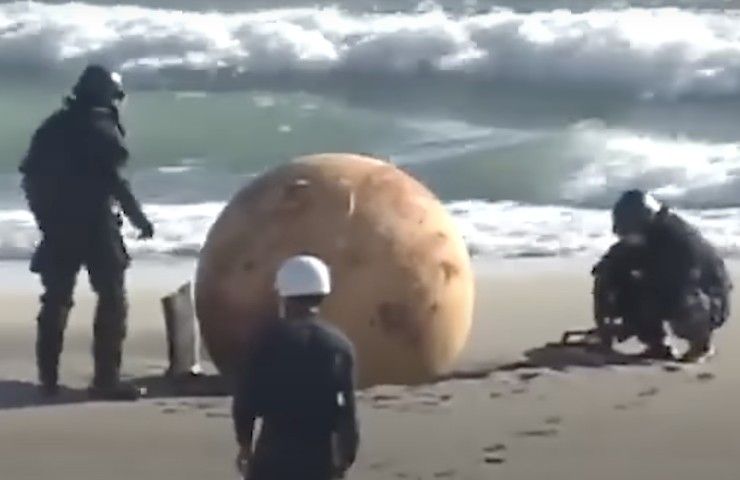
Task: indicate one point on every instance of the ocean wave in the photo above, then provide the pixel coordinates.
(180, 231)
(679, 170)
(514, 230)
(490, 229)
(586, 165)
(644, 51)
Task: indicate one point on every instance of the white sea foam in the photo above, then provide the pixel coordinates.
(688, 172)
(660, 51)
(508, 229)
(500, 229)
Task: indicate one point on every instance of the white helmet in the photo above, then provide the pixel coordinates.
(303, 275)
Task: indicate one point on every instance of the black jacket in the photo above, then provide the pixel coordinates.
(674, 260)
(71, 178)
(300, 381)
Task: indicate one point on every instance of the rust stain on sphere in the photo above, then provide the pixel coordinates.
(403, 286)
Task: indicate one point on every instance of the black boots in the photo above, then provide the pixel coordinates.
(52, 321)
(110, 330)
(109, 333)
(658, 351)
(106, 384)
(700, 350)
(114, 390)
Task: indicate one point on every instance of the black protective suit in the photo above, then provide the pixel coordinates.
(300, 381)
(72, 183)
(675, 276)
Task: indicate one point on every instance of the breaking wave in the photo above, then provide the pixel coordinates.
(491, 229)
(644, 51)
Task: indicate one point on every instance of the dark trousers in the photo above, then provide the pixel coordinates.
(689, 315)
(289, 457)
(285, 471)
(108, 281)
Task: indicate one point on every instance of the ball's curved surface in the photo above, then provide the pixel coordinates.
(402, 281)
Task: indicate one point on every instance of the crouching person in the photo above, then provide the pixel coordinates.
(660, 270)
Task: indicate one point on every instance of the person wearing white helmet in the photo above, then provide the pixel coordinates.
(300, 381)
(71, 178)
(303, 276)
(661, 270)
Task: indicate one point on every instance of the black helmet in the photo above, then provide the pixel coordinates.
(99, 86)
(633, 212)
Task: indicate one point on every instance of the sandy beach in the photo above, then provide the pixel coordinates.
(526, 412)
(527, 119)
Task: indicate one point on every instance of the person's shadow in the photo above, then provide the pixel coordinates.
(17, 394)
(550, 356)
(162, 386)
(557, 356)
(22, 394)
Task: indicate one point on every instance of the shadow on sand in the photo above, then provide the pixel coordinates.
(16, 394)
(21, 394)
(551, 356)
(556, 356)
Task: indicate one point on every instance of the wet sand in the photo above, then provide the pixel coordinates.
(523, 411)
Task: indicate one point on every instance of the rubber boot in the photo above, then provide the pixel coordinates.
(700, 350)
(110, 330)
(113, 389)
(652, 334)
(694, 324)
(107, 384)
(52, 321)
(658, 351)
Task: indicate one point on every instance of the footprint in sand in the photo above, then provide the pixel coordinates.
(493, 460)
(499, 447)
(554, 420)
(445, 474)
(672, 368)
(435, 400)
(495, 395)
(545, 432)
(217, 415)
(705, 376)
(519, 391)
(378, 466)
(383, 401)
(650, 392)
(169, 410)
(528, 376)
(629, 405)
(385, 398)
